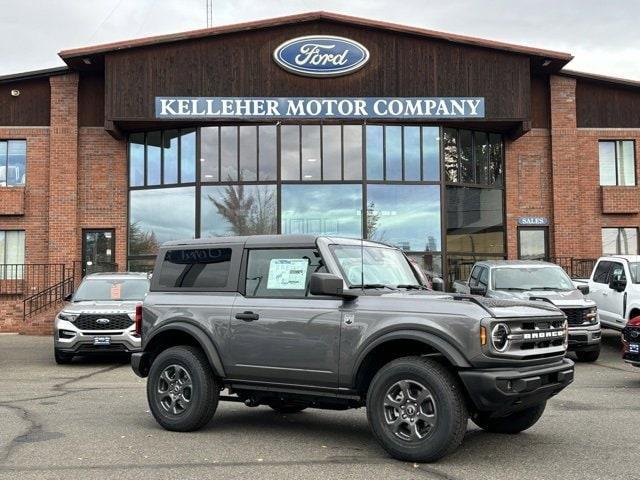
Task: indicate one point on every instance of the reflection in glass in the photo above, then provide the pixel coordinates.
(136, 159)
(412, 153)
(209, 154)
(13, 172)
(626, 162)
(159, 215)
(393, 152)
(188, 156)
(141, 265)
(375, 156)
(238, 210)
(619, 241)
(311, 152)
(407, 216)
(431, 153)
(450, 147)
(268, 152)
(430, 263)
(331, 152)
(607, 155)
(495, 159)
(532, 243)
(154, 142)
(352, 152)
(475, 220)
(481, 157)
(248, 153)
(290, 154)
(322, 209)
(466, 157)
(170, 156)
(229, 154)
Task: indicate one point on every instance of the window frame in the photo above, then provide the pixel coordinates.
(6, 142)
(616, 162)
(637, 230)
(545, 230)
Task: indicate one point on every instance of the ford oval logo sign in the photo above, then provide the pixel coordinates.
(321, 56)
(103, 321)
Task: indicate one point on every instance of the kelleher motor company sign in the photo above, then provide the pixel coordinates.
(318, 107)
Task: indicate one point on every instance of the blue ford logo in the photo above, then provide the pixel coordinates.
(321, 56)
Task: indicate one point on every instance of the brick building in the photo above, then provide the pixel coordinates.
(212, 133)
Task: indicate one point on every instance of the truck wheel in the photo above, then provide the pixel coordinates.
(287, 407)
(514, 423)
(590, 356)
(181, 390)
(62, 358)
(416, 409)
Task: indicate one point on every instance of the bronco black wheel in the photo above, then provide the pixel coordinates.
(416, 409)
(181, 389)
(514, 423)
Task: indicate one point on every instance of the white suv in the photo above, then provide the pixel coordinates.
(100, 317)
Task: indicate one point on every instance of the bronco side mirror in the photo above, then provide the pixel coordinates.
(437, 284)
(327, 284)
(478, 290)
(584, 289)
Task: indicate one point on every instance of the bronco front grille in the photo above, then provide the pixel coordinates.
(576, 316)
(533, 337)
(98, 321)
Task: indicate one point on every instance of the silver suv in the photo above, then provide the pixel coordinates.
(100, 316)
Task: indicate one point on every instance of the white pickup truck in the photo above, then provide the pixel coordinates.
(614, 286)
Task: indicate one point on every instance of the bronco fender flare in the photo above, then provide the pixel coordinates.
(200, 336)
(451, 353)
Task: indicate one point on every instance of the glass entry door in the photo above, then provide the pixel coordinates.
(98, 251)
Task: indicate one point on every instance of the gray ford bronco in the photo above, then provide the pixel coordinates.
(293, 322)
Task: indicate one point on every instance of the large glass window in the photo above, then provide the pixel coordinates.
(475, 222)
(209, 154)
(170, 150)
(472, 157)
(154, 158)
(619, 241)
(322, 209)
(290, 151)
(407, 216)
(617, 162)
(352, 152)
(11, 254)
(249, 154)
(311, 158)
(229, 154)
(13, 160)
(267, 152)
(136, 159)
(159, 215)
(238, 210)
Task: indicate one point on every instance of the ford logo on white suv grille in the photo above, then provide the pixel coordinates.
(102, 321)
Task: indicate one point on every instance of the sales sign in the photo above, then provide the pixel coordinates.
(176, 108)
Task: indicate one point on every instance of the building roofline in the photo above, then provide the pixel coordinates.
(305, 17)
(618, 81)
(45, 72)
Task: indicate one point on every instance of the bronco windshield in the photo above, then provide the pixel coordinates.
(531, 278)
(93, 289)
(375, 266)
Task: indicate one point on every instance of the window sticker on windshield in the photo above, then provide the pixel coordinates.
(287, 274)
(115, 291)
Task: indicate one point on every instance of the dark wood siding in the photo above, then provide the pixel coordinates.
(240, 64)
(91, 100)
(31, 108)
(540, 117)
(603, 105)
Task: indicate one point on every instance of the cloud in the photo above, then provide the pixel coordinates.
(602, 35)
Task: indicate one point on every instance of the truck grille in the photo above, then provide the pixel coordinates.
(89, 321)
(576, 316)
(533, 337)
(631, 334)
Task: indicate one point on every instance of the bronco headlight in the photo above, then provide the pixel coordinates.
(500, 337)
(69, 317)
(592, 315)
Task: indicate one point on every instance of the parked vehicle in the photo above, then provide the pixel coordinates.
(100, 316)
(631, 342)
(540, 281)
(293, 322)
(615, 287)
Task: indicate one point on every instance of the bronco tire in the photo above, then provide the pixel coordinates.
(416, 409)
(61, 357)
(181, 390)
(514, 423)
(588, 356)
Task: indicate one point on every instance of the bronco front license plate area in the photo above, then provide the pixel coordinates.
(102, 340)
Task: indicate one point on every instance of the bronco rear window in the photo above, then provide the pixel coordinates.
(199, 268)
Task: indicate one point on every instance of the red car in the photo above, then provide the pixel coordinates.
(631, 342)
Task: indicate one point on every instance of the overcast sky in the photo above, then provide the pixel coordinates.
(603, 35)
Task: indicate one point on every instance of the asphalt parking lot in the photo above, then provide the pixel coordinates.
(90, 420)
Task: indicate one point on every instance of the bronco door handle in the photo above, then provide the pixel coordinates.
(247, 316)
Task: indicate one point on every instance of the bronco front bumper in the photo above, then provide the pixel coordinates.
(502, 391)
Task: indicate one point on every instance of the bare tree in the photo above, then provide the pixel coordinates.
(248, 213)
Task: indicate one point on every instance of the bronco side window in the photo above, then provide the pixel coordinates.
(281, 272)
(203, 268)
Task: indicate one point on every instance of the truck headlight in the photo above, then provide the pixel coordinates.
(500, 337)
(69, 317)
(592, 315)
